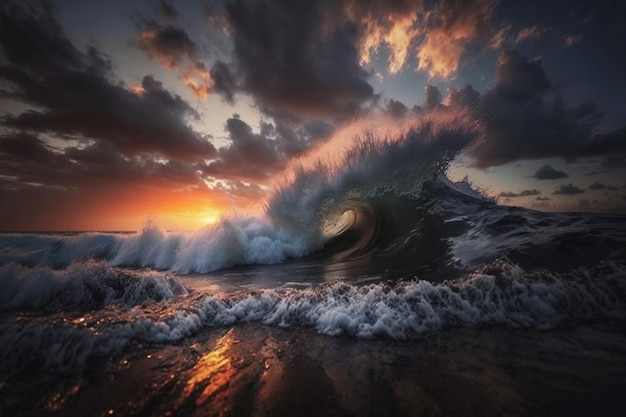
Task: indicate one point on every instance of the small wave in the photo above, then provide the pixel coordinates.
(86, 285)
(56, 250)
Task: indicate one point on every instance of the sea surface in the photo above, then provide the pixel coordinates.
(371, 284)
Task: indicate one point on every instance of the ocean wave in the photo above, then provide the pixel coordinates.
(88, 285)
(364, 160)
(499, 294)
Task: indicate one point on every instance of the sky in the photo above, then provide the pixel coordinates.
(116, 113)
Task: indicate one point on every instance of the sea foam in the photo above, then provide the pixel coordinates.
(499, 294)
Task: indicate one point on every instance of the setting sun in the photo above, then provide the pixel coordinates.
(212, 217)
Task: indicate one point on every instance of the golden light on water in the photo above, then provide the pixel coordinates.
(212, 372)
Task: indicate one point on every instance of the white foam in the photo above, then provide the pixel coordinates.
(499, 294)
(230, 242)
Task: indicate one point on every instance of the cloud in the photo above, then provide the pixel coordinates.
(568, 189)
(74, 93)
(25, 147)
(455, 25)
(528, 33)
(175, 50)
(397, 31)
(298, 59)
(597, 186)
(500, 37)
(546, 172)
(256, 156)
(465, 97)
(169, 45)
(170, 14)
(236, 188)
(525, 193)
(304, 60)
(396, 108)
(542, 198)
(29, 160)
(526, 117)
(224, 81)
(571, 40)
(432, 98)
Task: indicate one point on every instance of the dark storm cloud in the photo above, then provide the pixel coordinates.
(568, 189)
(168, 44)
(546, 172)
(526, 117)
(597, 186)
(298, 58)
(314, 130)
(396, 108)
(169, 12)
(25, 147)
(465, 97)
(542, 198)
(433, 98)
(174, 49)
(525, 193)
(27, 159)
(255, 156)
(224, 81)
(74, 92)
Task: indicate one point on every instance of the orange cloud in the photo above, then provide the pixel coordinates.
(397, 33)
(172, 47)
(529, 33)
(500, 37)
(199, 81)
(453, 26)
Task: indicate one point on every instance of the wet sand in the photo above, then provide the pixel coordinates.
(254, 370)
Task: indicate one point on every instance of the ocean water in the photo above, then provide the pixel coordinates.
(371, 284)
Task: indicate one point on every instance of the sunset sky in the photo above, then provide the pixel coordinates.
(116, 112)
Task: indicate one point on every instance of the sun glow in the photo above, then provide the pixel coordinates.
(211, 217)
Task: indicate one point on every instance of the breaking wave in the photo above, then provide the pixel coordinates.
(364, 160)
